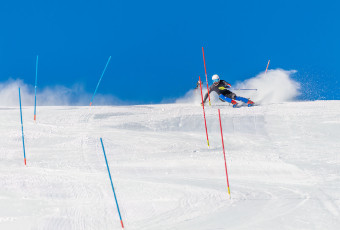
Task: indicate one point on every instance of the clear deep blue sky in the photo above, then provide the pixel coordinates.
(156, 46)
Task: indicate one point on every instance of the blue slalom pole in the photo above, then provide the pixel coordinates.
(35, 89)
(108, 170)
(100, 79)
(22, 128)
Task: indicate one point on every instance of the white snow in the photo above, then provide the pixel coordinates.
(283, 164)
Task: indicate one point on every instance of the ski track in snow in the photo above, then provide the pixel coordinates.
(283, 164)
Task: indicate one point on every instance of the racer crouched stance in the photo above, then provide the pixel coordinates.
(221, 88)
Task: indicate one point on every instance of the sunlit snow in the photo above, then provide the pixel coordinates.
(283, 164)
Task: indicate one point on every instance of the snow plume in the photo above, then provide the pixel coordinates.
(194, 96)
(56, 95)
(275, 86)
(191, 97)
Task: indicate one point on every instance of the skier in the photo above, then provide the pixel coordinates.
(221, 88)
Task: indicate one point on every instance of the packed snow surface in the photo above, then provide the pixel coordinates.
(283, 165)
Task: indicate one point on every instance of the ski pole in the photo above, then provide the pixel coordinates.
(206, 76)
(108, 170)
(267, 67)
(22, 128)
(205, 122)
(245, 89)
(35, 89)
(100, 80)
(225, 161)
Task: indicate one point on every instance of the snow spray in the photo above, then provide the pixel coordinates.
(100, 79)
(206, 76)
(35, 89)
(22, 128)
(276, 86)
(108, 170)
(267, 67)
(205, 122)
(225, 161)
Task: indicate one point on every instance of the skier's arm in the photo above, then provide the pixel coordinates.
(226, 84)
(206, 95)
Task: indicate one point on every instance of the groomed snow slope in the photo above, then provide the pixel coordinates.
(283, 163)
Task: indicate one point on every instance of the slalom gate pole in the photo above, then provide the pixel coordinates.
(225, 161)
(22, 128)
(205, 121)
(100, 79)
(35, 90)
(206, 76)
(108, 170)
(267, 67)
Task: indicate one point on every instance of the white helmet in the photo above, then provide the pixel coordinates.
(215, 78)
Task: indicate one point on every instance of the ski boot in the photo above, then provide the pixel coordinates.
(250, 103)
(234, 103)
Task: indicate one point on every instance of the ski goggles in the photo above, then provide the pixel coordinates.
(216, 80)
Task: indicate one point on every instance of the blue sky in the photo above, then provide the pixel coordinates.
(156, 46)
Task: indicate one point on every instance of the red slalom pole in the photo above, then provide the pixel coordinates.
(206, 76)
(205, 121)
(225, 161)
(267, 67)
